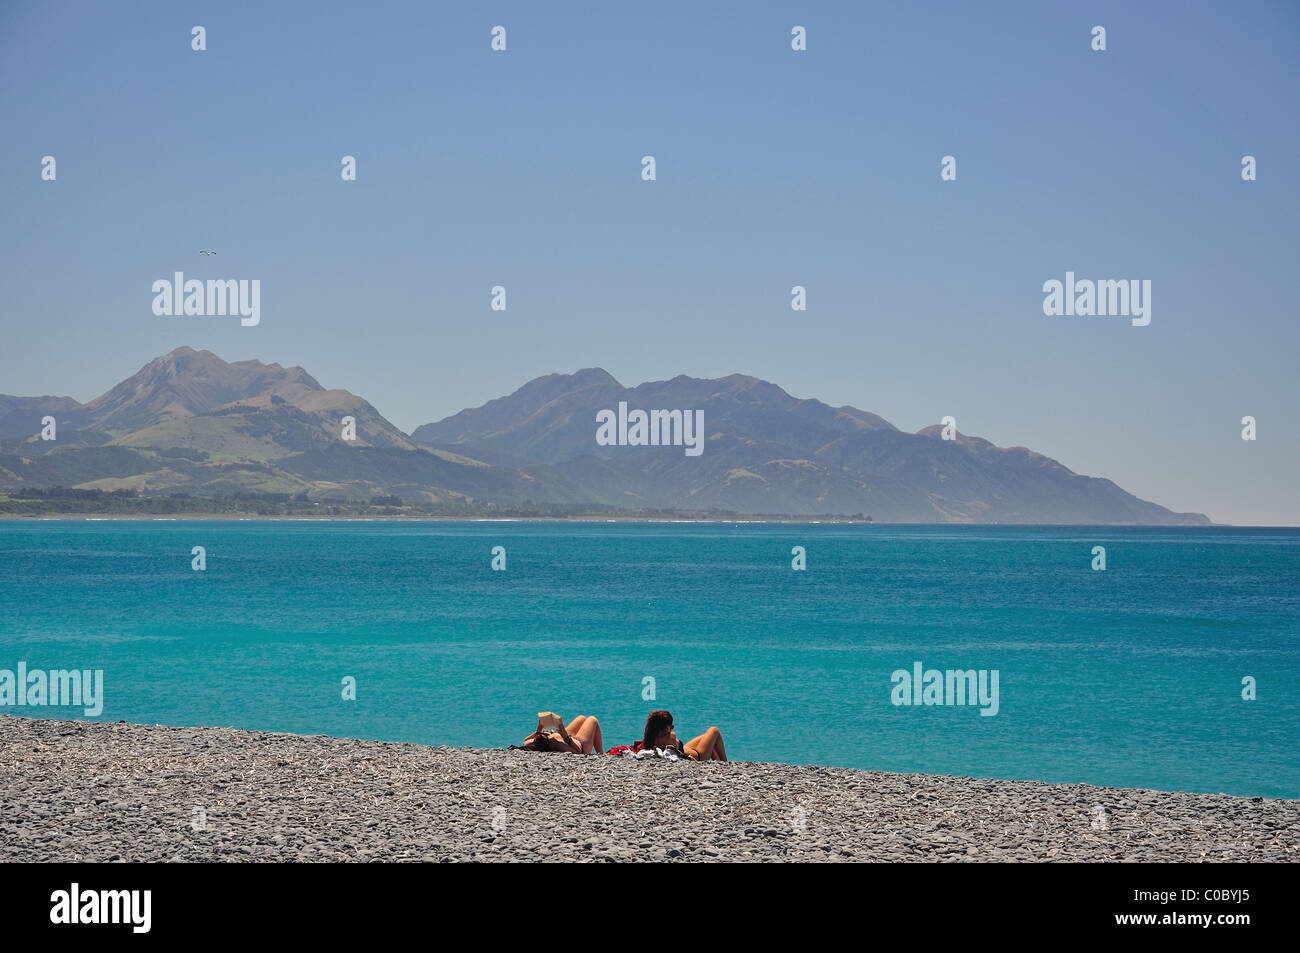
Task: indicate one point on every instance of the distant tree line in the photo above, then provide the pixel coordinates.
(69, 501)
(69, 493)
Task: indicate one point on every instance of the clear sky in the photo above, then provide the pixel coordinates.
(775, 168)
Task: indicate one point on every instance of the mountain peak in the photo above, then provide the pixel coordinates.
(186, 382)
(594, 377)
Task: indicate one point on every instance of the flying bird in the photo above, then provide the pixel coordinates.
(207, 253)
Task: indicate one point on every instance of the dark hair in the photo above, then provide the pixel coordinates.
(542, 742)
(656, 722)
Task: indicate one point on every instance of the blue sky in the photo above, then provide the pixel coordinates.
(775, 168)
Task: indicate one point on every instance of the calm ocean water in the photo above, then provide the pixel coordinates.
(1130, 677)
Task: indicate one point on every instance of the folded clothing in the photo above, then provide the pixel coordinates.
(635, 750)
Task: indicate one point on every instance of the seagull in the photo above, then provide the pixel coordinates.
(207, 253)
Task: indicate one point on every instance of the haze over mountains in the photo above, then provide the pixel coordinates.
(190, 422)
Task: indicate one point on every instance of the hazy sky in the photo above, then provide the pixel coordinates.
(775, 168)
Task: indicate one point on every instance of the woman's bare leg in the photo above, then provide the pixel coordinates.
(588, 735)
(707, 747)
(575, 726)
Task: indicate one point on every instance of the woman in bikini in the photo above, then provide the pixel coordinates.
(659, 734)
(580, 736)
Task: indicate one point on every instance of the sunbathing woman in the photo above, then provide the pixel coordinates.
(580, 736)
(659, 734)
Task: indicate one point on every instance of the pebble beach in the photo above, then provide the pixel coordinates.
(89, 791)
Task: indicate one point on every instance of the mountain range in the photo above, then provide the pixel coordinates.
(189, 422)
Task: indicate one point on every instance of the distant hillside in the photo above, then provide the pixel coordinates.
(768, 452)
(189, 422)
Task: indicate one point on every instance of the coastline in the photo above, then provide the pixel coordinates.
(716, 520)
(239, 517)
(89, 791)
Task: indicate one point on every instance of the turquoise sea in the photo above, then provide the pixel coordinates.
(1130, 676)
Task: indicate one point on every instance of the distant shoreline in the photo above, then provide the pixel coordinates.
(431, 518)
(455, 519)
